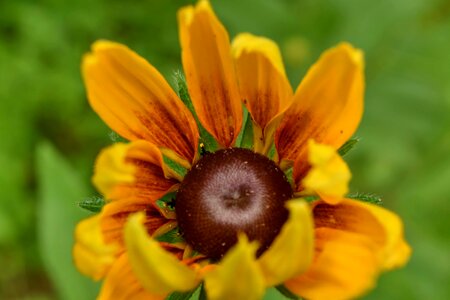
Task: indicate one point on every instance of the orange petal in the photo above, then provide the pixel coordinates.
(263, 85)
(327, 105)
(355, 241)
(115, 215)
(209, 70)
(345, 267)
(131, 170)
(381, 226)
(122, 284)
(133, 98)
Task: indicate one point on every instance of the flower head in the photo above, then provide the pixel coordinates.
(209, 189)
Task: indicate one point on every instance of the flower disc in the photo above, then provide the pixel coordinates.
(232, 190)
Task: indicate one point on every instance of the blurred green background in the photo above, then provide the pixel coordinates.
(49, 136)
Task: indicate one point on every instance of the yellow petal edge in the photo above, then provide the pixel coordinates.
(238, 276)
(92, 256)
(329, 174)
(111, 168)
(159, 272)
(292, 251)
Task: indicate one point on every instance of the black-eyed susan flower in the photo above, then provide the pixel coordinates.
(208, 191)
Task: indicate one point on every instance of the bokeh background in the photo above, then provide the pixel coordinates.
(49, 136)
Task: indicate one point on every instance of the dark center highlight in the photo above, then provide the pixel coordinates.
(230, 191)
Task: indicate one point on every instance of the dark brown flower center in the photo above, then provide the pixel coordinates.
(230, 191)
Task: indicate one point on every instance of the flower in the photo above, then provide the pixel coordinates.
(244, 226)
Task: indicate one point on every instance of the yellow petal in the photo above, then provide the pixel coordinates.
(263, 85)
(329, 174)
(345, 267)
(135, 169)
(327, 105)
(291, 252)
(111, 168)
(92, 256)
(381, 226)
(158, 271)
(238, 276)
(134, 99)
(209, 70)
(121, 283)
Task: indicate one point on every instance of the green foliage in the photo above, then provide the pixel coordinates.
(405, 125)
(60, 189)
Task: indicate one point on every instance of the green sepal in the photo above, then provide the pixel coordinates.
(208, 141)
(202, 295)
(311, 198)
(172, 236)
(167, 201)
(92, 204)
(182, 295)
(348, 146)
(287, 293)
(289, 173)
(183, 91)
(180, 170)
(114, 137)
(272, 151)
(365, 197)
(245, 137)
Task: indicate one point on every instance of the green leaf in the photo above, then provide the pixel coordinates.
(365, 197)
(92, 204)
(59, 189)
(208, 141)
(348, 146)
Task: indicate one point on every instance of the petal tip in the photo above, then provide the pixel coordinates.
(100, 45)
(356, 55)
